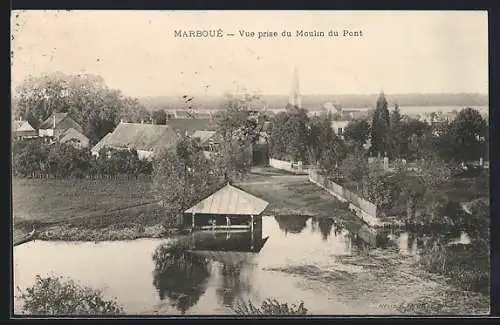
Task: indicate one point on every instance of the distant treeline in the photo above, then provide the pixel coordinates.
(316, 101)
(38, 159)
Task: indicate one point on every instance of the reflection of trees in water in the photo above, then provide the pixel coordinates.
(357, 244)
(325, 225)
(294, 224)
(233, 285)
(181, 277)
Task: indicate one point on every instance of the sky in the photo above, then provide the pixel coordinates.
(138, 53)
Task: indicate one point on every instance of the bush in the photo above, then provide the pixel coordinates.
(269, 307)
(55, 295)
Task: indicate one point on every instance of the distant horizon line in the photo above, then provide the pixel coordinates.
(319, 94)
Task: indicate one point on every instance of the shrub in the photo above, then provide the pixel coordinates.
(55, 295)
(269, 307)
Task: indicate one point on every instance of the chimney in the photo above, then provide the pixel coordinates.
(53, 121)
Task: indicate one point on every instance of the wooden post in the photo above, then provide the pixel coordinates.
(251, 229)
(192, 220)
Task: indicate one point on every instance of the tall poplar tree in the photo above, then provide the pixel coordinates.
(380, 126)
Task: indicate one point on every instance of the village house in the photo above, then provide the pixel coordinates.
(75, 137)
(188, 126)
(209, 141)
(57, 124)
(203, 115)
(147, 139)
(23, 130)
(339, 127)
(182, 114)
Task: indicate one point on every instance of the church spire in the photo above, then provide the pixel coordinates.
(295, 99)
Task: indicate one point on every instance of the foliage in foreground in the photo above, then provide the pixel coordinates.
(269, 307)
(54, 295)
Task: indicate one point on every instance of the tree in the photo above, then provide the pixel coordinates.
(184, 176)
(397, 136)
(57, 296)
(239, 127)
(332, 157)
(380, 126)
(357, 131)
(354, 169)
(290, 138)
(321, 136)
(86, 98)
(382, 190)
(159, 116)
(466, 136)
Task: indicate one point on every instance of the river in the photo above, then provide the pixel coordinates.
(316, 261)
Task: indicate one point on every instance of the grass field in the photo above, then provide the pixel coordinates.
(55, 206)
(290, 194)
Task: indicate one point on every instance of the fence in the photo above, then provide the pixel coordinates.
(96, 177)
(289, 166)
(365, 209)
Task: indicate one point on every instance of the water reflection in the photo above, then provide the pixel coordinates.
(183, 267)
(293, 224)
(233, 284)
(182, 278)
(207, 272)
(324, 226)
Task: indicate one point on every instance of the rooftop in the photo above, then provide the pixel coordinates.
(230, 200)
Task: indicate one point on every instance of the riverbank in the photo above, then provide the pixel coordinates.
(105, 210)
(86, 210)
(382, 279)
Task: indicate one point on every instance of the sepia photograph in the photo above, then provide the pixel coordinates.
(249, 163)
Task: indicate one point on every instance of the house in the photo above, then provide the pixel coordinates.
(229, 208)
(209, 141)
(188, 126)
(56, 124)
(182, 114)
(75, 137)
(203, 115)
(100, 145)
(147, 139)
(339, 127)
(23, 130)
(353, 113)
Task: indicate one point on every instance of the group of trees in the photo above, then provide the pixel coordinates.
(185, 175)
(88, 100)
(36, 158)
(295, 136)
(433, 148)
(463, 139)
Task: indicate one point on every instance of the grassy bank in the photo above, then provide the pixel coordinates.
(126, 209)
(290, 194)
(86, 209)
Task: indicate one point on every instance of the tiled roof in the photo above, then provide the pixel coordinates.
(102, 143)
(22, 126)
(72, 134)
(49, 122)
(203, 135)
(138, 136)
